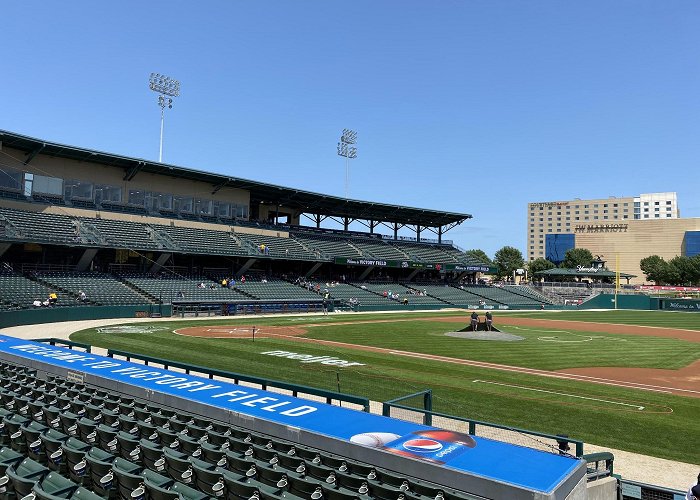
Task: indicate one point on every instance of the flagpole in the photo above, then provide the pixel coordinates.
(617, 276)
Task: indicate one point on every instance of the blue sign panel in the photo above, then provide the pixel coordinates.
(502, 462)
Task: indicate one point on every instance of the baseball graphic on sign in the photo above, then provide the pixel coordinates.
(374, 439)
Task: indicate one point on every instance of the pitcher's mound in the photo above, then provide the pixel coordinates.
(498, 336)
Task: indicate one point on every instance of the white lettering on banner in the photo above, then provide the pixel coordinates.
(310, 358)
(250, 399)
(47, 352)
(601, 228)
(583, 269)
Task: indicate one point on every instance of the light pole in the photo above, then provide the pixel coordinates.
(167, 88)
(349, 151)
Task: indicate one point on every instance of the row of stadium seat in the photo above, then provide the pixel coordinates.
(43, 227)
(65, 440)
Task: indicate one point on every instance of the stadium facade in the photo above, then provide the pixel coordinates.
(629, 227)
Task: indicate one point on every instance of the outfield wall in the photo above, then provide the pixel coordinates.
(641, 302)
(59, 314)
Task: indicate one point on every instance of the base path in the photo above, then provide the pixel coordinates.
(684, 382)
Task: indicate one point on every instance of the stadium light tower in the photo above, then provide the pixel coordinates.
(347, 149)
(167, 88)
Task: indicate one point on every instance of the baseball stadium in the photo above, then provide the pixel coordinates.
(174, 333)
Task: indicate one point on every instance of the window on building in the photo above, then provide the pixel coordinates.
(74, 189)
(669, 202)
(656, 203)
(48, 185)
(137, 197)
(28, 182)
(110, 194)
(595, 217)
(10, 179)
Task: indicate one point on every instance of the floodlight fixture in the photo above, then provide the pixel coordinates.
(164, 85)
(349, 136)
(167, 88)
(349, 152)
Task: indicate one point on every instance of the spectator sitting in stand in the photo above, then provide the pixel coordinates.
(53, 299)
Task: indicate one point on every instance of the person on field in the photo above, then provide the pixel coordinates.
(489, 320)
(474, 321)
(326, 299)
(694, 491)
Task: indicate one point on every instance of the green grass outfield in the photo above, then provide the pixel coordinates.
(599, 414)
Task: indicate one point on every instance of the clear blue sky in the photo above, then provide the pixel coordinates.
(475, 106)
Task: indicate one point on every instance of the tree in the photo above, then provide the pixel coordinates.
(655, 268)
(479, 255)
(577, 257)
(538, 265)
(686, 268)
(507, 260)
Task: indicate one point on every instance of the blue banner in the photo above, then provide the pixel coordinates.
(503, 462)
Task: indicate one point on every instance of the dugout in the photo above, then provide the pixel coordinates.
(486, 468)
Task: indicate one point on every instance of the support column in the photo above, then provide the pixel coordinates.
(160, 262)
(4, 247)
(396, 230)
(313, 269)
(245, 267)
(86, 258)
(413, 274)
(418, 233)
(346, 223)
(365, 273)
(440, 234)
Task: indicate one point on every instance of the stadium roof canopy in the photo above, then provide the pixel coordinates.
(307, 202)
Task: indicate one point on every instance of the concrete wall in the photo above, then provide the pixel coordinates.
(602, 489)
(57, 314)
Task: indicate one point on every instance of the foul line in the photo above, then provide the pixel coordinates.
(640, 408)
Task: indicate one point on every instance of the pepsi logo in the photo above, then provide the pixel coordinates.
(422, 445)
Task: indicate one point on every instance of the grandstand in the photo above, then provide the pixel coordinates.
(83, 220)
